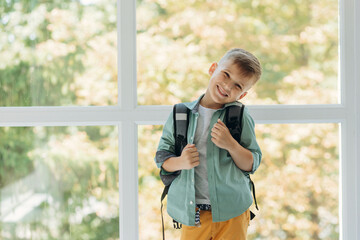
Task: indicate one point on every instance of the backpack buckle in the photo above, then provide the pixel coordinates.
(176, 224)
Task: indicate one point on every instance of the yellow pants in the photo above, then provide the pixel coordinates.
(233, 229)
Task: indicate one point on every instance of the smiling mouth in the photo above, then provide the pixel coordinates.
(221, 92)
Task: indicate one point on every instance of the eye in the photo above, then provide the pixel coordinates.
(227, 75)
(238, 86)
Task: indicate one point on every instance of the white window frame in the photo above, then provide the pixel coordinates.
(127, 115)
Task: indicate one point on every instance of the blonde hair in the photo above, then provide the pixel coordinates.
(246, 61)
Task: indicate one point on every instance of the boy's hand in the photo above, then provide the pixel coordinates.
(221, 135)
(189, 157)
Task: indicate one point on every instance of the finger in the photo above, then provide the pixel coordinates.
(215, 137)
(213, 129)
(189, 145)
(195, 159)
(216, 131)
(216, 126)
(219, 126)
(192, 149)
(221, 122)
(195, 154)
(195, 164)
(214, 134)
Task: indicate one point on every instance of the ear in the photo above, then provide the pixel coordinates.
(213, 68)
(242, 95)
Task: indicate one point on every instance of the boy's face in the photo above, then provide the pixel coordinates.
(227, 84)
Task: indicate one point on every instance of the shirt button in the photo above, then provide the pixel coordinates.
(191, 202)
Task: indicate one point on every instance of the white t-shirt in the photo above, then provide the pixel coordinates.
(201, 136)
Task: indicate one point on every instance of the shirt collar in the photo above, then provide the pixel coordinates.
(194, 105)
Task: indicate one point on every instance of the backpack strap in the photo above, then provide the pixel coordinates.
(253, 189)
(233, 120)
(181, 123)
(164, 193)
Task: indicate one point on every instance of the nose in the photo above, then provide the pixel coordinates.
(227, 86)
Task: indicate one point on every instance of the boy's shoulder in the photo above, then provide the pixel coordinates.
(193, 104)
(236, 103)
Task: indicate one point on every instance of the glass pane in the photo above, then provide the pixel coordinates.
(151, 187)
(58, 53)
(59, 183)
(297, 183)
(296, 41)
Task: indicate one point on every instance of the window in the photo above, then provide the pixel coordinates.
(296, 41)
(51, 54)
(59, 182)
(124, 116)
(297, 185)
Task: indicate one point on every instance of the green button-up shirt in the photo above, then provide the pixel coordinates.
(229, 186)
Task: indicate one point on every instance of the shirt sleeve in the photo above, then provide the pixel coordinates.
(166, 150)
(248, 139)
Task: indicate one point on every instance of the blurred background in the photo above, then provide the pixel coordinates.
(62, 182)
(297, 183)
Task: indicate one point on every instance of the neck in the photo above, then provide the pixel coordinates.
(208, 103)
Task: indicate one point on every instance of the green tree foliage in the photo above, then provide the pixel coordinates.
(297, 183)
(293, 38)
(14, 162)
(57, 53)
(84, 181)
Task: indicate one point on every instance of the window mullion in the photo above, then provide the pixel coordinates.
(128, 180)
(357, 110)
(348, 150)
(127, 100)
(112, 115)
(262, 114)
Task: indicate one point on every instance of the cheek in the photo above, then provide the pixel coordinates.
(214, 81)
(238, 94)
(219, 77)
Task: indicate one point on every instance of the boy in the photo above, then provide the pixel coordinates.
(210, 191)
